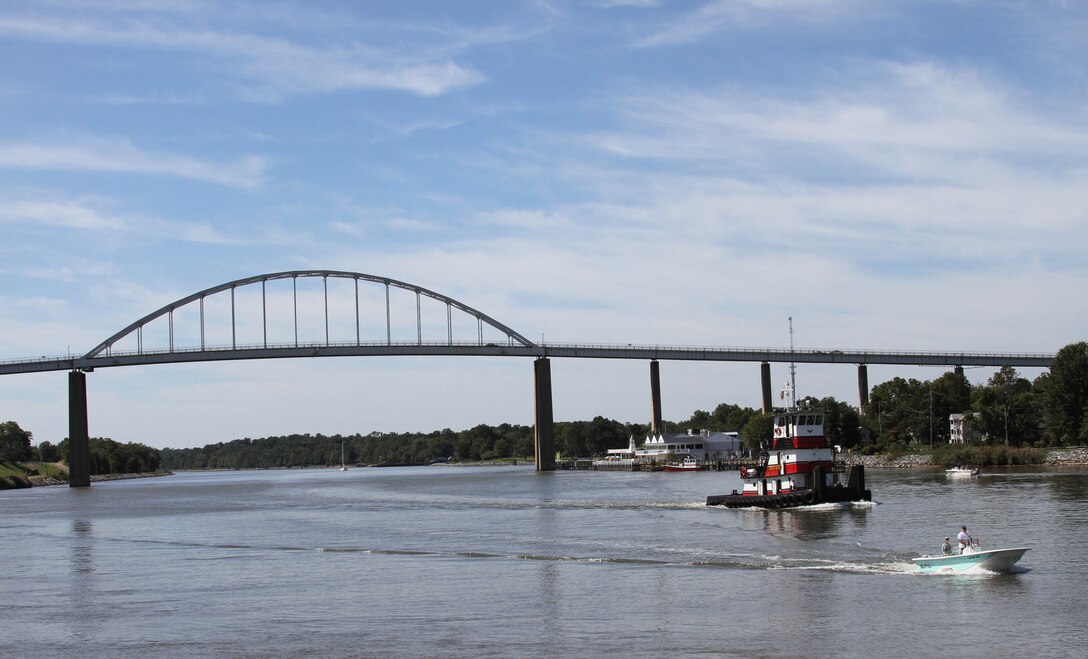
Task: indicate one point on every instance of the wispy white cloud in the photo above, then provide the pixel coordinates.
(67, 214)
(101, 215)
(120, 155)
(915, 120)
(272, 66)
(611, 4)
(153, 99)
(712, 17)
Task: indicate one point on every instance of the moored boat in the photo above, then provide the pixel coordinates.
(989, 560)
(799, 469)
(689, 464)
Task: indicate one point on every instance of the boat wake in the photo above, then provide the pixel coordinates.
(853, 568)
(739, 562)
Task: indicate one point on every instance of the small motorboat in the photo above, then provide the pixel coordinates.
(972, 558)
(962, 471)
(689, 464)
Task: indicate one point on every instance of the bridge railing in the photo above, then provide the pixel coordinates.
(787, 352)
(298, 345)
(512, 347)
(546, 346)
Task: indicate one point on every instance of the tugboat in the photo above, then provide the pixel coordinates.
(799, 469)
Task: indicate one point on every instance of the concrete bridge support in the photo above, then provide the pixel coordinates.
(544, 436)
(655, 397)
(79, 450)
(959, 371)
(863, 387)
(765, 377)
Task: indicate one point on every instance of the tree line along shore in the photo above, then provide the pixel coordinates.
(13, 476)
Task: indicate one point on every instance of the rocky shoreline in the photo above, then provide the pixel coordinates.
(1054, 457)
(44, 481)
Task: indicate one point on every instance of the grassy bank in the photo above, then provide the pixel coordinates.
(16, 475)
(12, 476)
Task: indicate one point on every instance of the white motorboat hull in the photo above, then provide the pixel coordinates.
(961, 472)
(989, 560)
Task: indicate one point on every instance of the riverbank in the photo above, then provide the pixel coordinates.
(1054, 457)
(55, 473)
(44, 481)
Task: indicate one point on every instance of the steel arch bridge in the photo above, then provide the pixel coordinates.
(129, 346)
(231, 321)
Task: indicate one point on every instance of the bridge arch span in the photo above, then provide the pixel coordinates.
(112, 349)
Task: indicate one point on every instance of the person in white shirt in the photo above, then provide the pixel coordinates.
(965, 539)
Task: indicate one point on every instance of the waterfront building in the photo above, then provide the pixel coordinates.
(703, 445)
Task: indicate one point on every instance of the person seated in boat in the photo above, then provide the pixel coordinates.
(946, 548)
(964, 539)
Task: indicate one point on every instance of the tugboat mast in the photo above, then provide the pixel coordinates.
(793, 370)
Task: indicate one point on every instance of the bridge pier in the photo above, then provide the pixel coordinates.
(959, 371)
(863, 387)
(79, 450)
(544, 433)
(655, 397)
(765, 377)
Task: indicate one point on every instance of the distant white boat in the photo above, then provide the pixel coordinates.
(343, 466)
(962, 471)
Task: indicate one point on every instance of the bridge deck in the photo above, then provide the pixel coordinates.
(564, 350)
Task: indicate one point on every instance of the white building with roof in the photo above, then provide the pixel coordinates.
(703, 445)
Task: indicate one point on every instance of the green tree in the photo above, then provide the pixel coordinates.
(731, 418)
(842, 422)
(701, 419)
(1004, 410)
(14, 442)
(1063, 394)
(758, 431)
(110, 457)
(572, 438)
(951, 394)
(900, 410)
(47, 452)
(605, 434)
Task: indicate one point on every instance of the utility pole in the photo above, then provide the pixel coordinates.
(931, 416)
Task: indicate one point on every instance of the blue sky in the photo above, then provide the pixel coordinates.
(893, 175)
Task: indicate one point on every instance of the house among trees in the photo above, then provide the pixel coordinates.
(960, 431)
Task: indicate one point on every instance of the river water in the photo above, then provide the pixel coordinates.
(447, 561)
